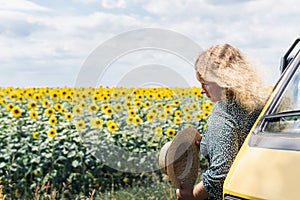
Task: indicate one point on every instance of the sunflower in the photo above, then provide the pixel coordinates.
(109, 122)
(96, 122)
(83, 96)
(62, 110)
(35, 135)
(177, 113)
(123, 92)
(63, 93)
(58, 106)
(150, 116)
(207, 106)
(147, 104)
(49, 112)
(168, 111)
(162, 115)
(198, 116)
(104, 97)
(194, 106)
(188, 117)
(52, 132)
(82, 104)
(115, 95)
(158, 130)
(154, 111)
(139, 97)
(108, 111)
(77, 110)
(128, 104)
(9, 106)
(158, 96)
(52, 120)
(149, 95)
(93, 108)
(186, 109)
(36, 97)
(159, 105)
(189, 125)
(80, 125)
(12, 96)
(129, 120)
(20, 98)
(167, 106)
(118, 107)
(77, 95)
(137, 120)
(176, 102)
(45, 102)
(138, 104)
(28, 94)
(205, 114)
(131, 112)
(68, 116)
(69, 98)
(2, 101)
(105, 106)
(54, 95)
(31, 105)
(16, 111)
(112, 126)
(199, 95)
(170, 132)
(135, 92)
(177, 120)
(196, 93)
(33, 114)
(201, 107)
(96, 98)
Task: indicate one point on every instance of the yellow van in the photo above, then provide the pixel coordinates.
(268, 164)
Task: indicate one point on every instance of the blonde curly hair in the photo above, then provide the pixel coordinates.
(226, 66)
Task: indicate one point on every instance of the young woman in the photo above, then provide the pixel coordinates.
(231, 82)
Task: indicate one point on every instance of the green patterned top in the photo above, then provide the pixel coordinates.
(227, 127)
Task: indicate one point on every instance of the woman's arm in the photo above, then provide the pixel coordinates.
(197, 193)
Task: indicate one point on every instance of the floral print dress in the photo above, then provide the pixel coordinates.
(227, 127)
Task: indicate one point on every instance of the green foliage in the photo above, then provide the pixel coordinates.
(59, 159)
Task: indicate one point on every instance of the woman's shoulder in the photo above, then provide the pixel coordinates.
(233, 110)
(229, 107)
(221, 113)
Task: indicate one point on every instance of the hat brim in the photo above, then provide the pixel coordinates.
(163, 157)
(183, 159)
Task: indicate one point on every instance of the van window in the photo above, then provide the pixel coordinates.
(286, 117)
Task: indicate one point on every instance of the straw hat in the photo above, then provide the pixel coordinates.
(180, 159)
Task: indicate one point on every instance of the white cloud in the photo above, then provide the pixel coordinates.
(35, 44)
(113, 3)
(262, 29)
(36, 37)
(23, 5)
(86, 1)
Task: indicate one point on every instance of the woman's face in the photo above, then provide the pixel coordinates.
(212, 90)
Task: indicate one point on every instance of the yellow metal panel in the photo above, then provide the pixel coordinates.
(265, 174)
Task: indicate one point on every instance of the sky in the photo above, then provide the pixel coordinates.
(49, 42)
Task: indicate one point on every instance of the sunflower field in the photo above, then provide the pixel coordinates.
(67, 142)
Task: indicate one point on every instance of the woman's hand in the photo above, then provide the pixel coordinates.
(197, 142)
(196, 193)
(185, 194)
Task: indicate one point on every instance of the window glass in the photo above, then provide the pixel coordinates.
(287, 110)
